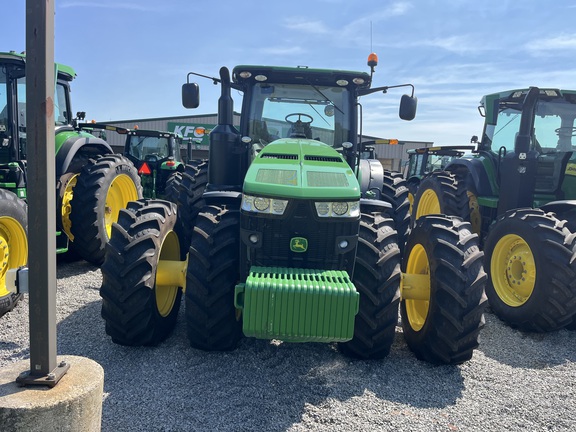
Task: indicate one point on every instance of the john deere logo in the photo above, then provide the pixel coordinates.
(298, 244)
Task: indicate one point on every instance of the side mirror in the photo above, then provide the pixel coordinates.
(408, 107)
(190, 95)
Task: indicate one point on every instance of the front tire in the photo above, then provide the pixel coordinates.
(212, 320)
(104, 187)
(440, 193)
(13, 244)
(138, 307)
(530, 261)
(377, 278)
(443, 298)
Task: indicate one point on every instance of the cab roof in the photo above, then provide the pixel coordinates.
(64, 72)
(301, 75)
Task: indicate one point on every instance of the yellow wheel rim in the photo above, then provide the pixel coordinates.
(66, 207)
(417, 310)
(13, 248)
(513, 270)
(411, 201)
(121, 191)
(166, 288)
(475, 218)
(428, 204)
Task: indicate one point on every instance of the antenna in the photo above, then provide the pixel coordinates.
(371, 50)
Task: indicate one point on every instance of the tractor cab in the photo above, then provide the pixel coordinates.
(155, 154)
(529, 135)
(13, 148)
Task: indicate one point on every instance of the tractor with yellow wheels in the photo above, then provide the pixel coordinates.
(92, 183)
(286, 233)
(518, 191)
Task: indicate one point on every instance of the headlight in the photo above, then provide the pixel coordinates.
(263, 205)
(338, 209)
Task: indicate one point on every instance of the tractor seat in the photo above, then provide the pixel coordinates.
(299, 129)
(550, 173)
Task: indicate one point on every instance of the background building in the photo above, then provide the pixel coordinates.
(198, 127)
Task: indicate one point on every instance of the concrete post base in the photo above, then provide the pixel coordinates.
(74, 404)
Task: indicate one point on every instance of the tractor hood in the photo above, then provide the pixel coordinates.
(301, 168)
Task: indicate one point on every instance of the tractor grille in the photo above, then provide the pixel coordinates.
(279, 156)
(323, 158)
(300, 220)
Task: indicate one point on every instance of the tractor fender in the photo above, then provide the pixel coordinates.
(476, 170)
(371, 176)
(79, 143)
(559, 207)
(373, 205)
(232, 198)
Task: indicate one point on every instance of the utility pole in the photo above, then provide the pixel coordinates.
(40, 83)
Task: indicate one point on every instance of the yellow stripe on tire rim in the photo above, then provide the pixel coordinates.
(428, 204)
(417, 309)
(66, 207)
(121, 191)
(13, 248)
(170, 274)
(513, 270)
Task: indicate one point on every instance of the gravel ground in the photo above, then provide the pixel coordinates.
(515, 381)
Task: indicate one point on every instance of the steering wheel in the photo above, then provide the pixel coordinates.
(566, 131)
(300, 115)
(152, 158)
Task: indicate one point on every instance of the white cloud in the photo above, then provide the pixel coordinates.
(361, 24)
(398, 8)
(280, 50)
(306, 26)
(566, 42)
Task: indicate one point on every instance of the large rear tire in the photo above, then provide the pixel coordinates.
(213, 322)
(377, 278)
(443, 298)
(187, 190)
(139, 304)
(13, 244)
(531, 263)
(440, 193)
(104, 187)
(396, 192)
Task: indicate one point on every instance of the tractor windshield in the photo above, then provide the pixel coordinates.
(4, 123)
(299, 111)
(554, 127)
(143, 146)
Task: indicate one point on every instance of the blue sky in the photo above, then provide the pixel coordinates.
(132, 56)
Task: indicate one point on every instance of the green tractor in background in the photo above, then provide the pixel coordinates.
(155, 154)
(518, 190)
(286, 233)
(422, 161)
(92, 183)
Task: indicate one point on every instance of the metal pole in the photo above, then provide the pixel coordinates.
(41, 192)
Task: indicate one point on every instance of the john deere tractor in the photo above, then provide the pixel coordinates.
(92, 184)
(424, 160)
(155, 154)
(518, 191)
(286, 234)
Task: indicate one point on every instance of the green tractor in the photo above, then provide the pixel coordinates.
(92, 183)
(422, 161)
(518, 190)
(286, 234)
(155, 154)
